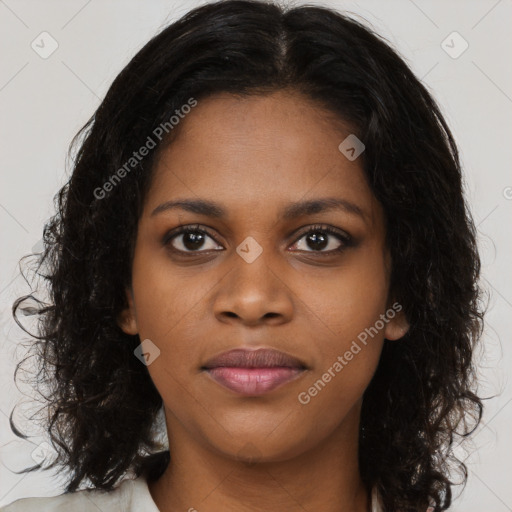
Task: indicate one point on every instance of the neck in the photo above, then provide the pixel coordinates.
(324, 477)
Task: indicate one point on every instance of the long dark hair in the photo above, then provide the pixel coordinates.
(102, 403)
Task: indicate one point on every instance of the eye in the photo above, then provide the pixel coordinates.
(192, 239)
(318, 238)
(189, 239)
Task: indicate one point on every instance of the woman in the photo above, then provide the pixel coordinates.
(264, 238)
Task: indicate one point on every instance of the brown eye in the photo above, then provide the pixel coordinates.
(319, 238)
(189, 240)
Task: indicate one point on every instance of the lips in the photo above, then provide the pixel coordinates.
(253, 372)
(260, 358)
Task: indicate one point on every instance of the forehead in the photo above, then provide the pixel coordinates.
(258, 151)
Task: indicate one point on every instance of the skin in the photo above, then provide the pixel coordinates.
(254, 156)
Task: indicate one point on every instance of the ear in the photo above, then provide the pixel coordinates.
(398, 325)
(127, 319)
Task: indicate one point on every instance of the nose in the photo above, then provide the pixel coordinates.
(254, 293)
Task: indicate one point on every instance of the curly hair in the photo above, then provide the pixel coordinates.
(101, 402)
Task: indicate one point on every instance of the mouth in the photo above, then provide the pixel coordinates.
(254, 372)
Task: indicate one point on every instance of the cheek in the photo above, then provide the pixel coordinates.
(349, 334)
(168, 315)
(163, 299)
(345, 365)
(344, 303)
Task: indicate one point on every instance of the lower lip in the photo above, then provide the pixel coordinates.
(253, 381)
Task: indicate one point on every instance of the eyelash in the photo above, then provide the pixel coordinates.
(346, 239)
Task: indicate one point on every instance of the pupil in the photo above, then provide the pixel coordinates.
(319, 239)
(193, 240)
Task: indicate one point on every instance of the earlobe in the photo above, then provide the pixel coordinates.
(127, 319)
(397, 327)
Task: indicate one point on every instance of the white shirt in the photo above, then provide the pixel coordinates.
(130, 496)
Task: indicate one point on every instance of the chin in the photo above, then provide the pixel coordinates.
(261, 448)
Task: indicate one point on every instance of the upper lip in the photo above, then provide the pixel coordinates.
(254, 358)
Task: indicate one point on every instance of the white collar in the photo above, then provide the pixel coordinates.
(142, 498)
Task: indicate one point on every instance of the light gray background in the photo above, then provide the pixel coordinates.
(44, 102)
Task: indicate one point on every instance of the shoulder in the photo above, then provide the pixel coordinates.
(120, 499)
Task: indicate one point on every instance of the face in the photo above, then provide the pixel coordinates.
(255, 273)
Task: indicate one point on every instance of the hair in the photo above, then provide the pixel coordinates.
(101, 404)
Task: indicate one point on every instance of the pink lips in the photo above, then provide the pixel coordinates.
(253, 372)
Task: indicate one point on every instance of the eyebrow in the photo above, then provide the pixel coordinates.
(291, 211)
